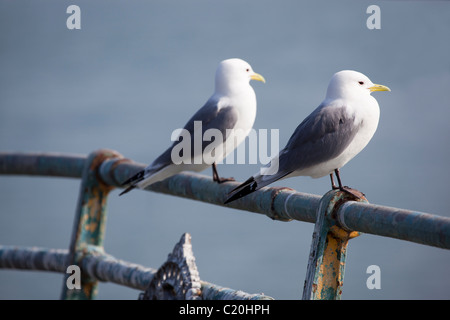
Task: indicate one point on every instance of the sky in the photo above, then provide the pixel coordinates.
(137, 70)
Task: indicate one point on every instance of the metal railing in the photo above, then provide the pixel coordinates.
(337, 216)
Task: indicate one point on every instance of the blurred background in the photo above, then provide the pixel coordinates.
(137, 70)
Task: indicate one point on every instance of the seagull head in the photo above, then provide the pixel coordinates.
(348, 84)
(234, 75)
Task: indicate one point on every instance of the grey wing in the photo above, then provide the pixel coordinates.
(211, 117)
(322, 136)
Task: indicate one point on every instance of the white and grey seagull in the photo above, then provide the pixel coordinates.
(231, 107)
(335, 132)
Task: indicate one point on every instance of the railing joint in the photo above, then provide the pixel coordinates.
(326, 266)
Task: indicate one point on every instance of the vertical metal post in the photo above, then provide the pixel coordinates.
(90, 221)
(326, 265)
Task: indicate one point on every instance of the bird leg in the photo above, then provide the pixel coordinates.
(333, 186)
(338, 176)
(216, 177)
(353, 192)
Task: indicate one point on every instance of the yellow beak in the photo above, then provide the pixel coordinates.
(379, 87)
(258, 77)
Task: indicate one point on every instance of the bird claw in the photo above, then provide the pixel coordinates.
(222, 180)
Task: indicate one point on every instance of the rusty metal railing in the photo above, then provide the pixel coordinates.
(337, 217)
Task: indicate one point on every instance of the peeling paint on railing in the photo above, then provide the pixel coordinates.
(103, 170)
(104, 267)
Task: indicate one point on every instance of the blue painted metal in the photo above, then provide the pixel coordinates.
(34, 258)
(90, 220)
(42, 164)
(103, 170)
(101, 266)
(214, 292)
(277, 203)
(286, 204)
(414, 226)
(326, 266)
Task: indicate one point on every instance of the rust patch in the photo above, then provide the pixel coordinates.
(342, 234)
(100, 156)
(115, 164)
(343, 197)
(89, 289)
(91, 227)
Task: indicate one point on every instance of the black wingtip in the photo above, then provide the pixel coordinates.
(134, 179)
(232, 198)
(127, 190)
(137, 177)
(242, 190)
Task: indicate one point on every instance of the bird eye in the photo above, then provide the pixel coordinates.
(361, 82)
(248, 70)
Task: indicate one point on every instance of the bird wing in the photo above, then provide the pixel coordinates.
(320, 137)
(212, 116)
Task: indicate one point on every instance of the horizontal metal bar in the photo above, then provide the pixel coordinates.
(103, 267)
(97, 264)
(42, 164)
(214, 292)
(285, 204)
(33, 258)
(402, 224)
(277, 203)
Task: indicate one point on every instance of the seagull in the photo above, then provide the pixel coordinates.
(231, 107)
(335, 132)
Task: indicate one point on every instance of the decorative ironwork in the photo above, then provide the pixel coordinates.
(178, 277)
